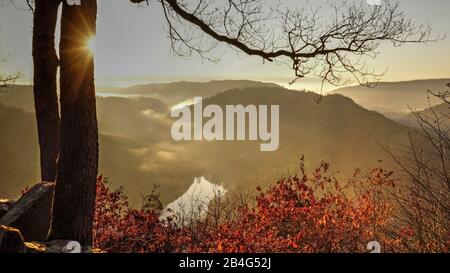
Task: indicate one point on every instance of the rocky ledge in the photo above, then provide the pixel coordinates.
(24, 224)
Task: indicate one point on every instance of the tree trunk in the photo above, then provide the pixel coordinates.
(74, 201)
(45, 96)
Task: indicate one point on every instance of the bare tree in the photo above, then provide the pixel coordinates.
(9, 78)
(423, 201)
(74, 200)
(46, 63)
(329, 49)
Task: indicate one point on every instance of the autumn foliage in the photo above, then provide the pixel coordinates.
(304, 213)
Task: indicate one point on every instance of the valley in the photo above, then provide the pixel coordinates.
(137, 150)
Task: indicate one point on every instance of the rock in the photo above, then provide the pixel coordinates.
(31, 214)
(11, 241)
(5, 206)
(35, 247)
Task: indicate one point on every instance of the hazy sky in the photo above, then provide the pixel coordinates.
(132, 47)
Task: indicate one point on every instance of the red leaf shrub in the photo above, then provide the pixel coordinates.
(299, 214)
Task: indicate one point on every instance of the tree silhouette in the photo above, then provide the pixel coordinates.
(423, 204)
(74, 200)
(7, 79)
(329, 49)
(45, 63)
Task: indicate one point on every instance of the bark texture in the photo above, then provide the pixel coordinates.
(74, 201)
(45, 63)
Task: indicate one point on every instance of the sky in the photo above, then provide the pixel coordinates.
(132, 48)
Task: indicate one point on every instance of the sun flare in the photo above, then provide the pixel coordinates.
(90, 44)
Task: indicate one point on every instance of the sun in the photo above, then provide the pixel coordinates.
(90, 44)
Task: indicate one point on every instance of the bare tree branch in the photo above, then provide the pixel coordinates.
(329, 49)
(9, 78)
(423, 202)
(6, 80)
